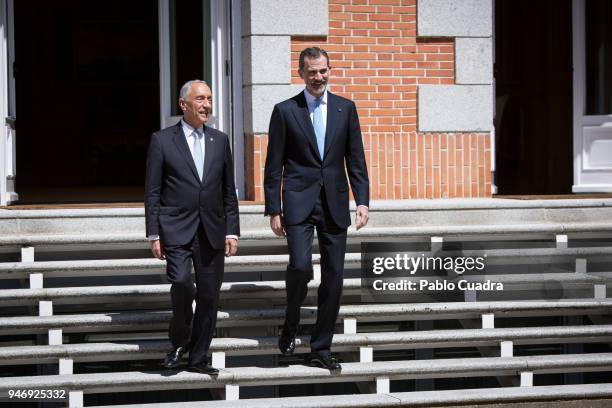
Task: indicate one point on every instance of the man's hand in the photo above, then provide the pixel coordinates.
(231, 246)
(361, 216)
(157, 250)
(278, 225)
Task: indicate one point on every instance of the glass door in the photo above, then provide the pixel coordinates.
(185, 51)
(201, 39)
(592, 35)
(192, 36)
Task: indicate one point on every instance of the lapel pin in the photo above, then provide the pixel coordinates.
(339, 109)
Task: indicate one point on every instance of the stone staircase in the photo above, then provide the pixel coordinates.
(85, 310)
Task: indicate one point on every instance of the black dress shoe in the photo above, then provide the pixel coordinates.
(173, 358)
(286, 341)
(324, 361)
(204, 368)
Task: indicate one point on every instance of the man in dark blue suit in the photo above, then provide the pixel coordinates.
(312, 137)
(191, 213)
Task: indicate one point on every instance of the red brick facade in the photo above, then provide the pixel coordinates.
(378, 61)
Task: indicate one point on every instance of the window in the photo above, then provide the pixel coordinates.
(598, 33)
(189, 44)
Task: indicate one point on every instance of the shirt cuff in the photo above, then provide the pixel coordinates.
(232, 237)
(365, 206)
(153, 237)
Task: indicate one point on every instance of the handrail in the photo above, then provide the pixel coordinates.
(11, 122)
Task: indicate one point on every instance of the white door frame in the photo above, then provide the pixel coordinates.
(235, 81)
(7, 104)
(589, 130)
(494, 99)
(220, 57)
(165, 84)
(226, 75)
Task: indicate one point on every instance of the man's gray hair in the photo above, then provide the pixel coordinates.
(185, 88)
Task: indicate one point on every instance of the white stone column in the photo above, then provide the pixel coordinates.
(466, 106)
(267, 27)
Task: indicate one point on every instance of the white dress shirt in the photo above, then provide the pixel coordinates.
(310, 101)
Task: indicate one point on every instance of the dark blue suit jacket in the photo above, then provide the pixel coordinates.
(176, 202)
(293, 161)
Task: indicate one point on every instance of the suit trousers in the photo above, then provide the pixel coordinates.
(332, 246)
(208, 264)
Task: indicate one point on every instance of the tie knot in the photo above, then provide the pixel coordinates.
(318, 101)
(197, 134)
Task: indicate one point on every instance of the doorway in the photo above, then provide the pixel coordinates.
(592, 34)
(93, 80)
(87, 96)
(533, 81)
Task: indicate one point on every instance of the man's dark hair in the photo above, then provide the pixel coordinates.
(312, 53)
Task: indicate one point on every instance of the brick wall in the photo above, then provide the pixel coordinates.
(378, 61)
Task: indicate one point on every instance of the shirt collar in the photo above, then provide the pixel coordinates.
(311, 99)
(188, 129)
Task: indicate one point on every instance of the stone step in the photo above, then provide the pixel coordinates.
(149, 320)
(146, 266)
(384, 213)
(256, 263)
(468, 397)
(61, 221)
(264, 236)
(301, 374)
(155, 349)
(129, 294)
(63, 231)
(126, 294)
